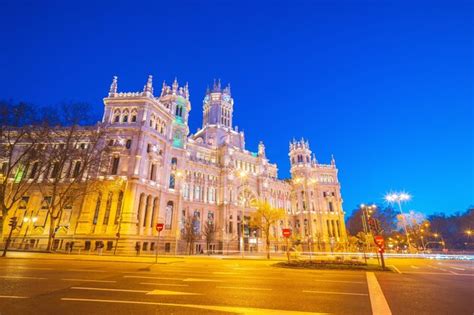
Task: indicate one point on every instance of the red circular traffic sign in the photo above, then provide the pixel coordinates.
(159, 227)
(286, 232)
(379, 240)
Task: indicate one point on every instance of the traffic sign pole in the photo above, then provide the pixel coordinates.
(380, 242)
(159, 227)
(156, 249)
(286, 234)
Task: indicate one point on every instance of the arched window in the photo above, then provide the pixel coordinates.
(172, 181)
(169, 215)
(108, 205)
(145, 213)
(117, 115)
(197, 221)
(140, 204)
(118, 211)
(153, 213)
(97, 209)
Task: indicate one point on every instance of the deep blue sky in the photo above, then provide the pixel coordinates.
(387, 86)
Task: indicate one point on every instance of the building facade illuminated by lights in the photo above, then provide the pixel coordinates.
(167, 175)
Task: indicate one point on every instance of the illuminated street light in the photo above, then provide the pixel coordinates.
(398, 198)
(28, 221)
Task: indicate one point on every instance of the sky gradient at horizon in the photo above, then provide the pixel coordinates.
(385, 86)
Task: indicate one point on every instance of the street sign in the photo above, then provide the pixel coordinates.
(286, 232)
(379, 241)
(159, 227)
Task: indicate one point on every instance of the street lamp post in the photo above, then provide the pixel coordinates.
(243, 178)
(398, 198)
(366, 213)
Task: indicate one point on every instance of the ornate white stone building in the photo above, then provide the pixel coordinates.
(168, 175)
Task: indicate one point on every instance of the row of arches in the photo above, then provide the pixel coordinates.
(158, 124)
(125, 115)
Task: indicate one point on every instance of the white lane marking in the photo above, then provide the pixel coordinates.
(396, 269)
(167, 292)
(457, 268)
(165, 284)
(109, 289)
(452, 273)
(442, 269)
(201, 280)
(85, 270)
(377, 299)
(21, 277)
(415, 267)
(244, 288)
(12, 297)
(338, 281)
(154, 278)
(90, 280)
(225, 273)
(332, 292)
(228, 309)
(34, 268)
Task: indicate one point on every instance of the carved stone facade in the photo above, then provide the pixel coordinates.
(161, 173)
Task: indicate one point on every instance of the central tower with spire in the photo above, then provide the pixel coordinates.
(217, 112)
(218, 106)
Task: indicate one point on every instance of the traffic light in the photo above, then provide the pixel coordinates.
(374, 225)
(13, 222)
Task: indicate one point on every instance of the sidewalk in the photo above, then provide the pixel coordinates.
(132, 259)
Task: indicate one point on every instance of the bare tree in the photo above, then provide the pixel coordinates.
(190, 232)
(22, 135)
(75, 156)
(209, 233)
(264, 218)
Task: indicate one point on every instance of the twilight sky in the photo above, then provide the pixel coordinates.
(386, 86)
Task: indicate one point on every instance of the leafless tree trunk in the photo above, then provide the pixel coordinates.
(21, 153)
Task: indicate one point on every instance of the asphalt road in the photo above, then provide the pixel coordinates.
(222, 286)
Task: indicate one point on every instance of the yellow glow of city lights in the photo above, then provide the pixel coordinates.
(242, 174)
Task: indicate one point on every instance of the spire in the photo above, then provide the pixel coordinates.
(113, 86)
(148, 89)
(261, 149)
(227, 89)
(333, 161)
(217, 86)
(186, 90)
(175, 85)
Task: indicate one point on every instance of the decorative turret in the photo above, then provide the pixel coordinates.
(218, 106)
(261, 150)
(300, 153)
(113, 87)
(175, 86)
(148, 88)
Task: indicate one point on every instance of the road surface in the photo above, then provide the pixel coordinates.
(228, 286)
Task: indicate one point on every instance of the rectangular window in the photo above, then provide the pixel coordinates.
(331, 208)
(167, 247)
(115, 165)
(97, 209)
(77, 169)
(55, 170)
(119, 207)
(152, 172)
(107, 209)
